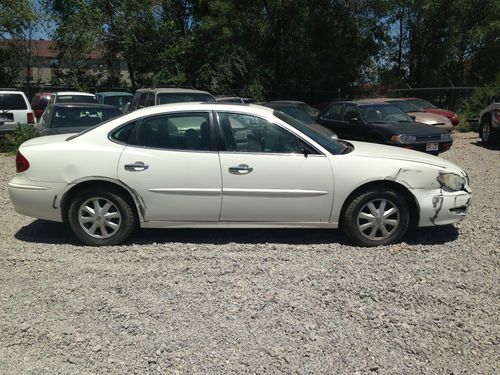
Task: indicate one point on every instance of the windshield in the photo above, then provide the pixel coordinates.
(297, 113)
(383, 113)
(406, 106)
(117, 101)
(333, 146)
(308, 109)
(76, 99)
(422, 103)
(181, 97)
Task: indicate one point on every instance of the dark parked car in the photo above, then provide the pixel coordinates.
(298, 111)
(74, 117)
(39, 103)
(115, 98)
(383, 123)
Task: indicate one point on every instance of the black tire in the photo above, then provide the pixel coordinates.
(352, 224)
(124, 220)
(487, 133)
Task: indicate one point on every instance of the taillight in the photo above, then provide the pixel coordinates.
(22, 164)
(31, 118)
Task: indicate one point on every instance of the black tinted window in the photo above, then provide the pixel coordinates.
(82, 117)
(122, 134)
(181, 97)
(12, 101)
(117, 101)
(246, 133)
(178, 131)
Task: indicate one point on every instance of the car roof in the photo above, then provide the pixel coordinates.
(284, 102)
(172, 90)
(11, 92)
(115, 93)
(42, 93)
(362, 102)
(199, 106)
(73, 93)
(82, 105)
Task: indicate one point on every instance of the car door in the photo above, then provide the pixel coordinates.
(332, 119)
(170, 164)
(267, 178)
(353, 127)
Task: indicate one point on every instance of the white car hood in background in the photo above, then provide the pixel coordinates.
(373, 150)
(430, 118)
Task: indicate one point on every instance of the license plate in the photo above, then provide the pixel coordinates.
(432, 147)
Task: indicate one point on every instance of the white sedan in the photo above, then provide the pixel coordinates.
(210, 165)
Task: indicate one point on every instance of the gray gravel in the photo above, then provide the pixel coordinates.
(255, 301)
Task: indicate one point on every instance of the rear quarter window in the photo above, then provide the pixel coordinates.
(12, 102)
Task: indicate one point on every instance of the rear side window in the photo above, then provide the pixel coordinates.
(12, 102)
(122, 134)
(176, 131)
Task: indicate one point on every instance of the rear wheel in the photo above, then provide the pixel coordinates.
(376, 217)
(99, 217)
(486, 132)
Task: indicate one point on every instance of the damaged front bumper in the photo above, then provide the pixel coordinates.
(439, 207)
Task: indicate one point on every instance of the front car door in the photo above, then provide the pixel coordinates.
(267, 178)
(332, 119)
(353, 127)
(171, 163)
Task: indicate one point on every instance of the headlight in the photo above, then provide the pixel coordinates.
(451, 181)
(446, 137)
(403, 138)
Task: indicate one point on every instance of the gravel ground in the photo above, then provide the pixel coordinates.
(255, 301)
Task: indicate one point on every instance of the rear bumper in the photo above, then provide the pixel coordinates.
(36, 199)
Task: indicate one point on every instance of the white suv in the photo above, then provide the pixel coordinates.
(14, 109)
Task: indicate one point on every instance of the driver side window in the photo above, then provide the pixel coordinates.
(351, 114)
(246, 133)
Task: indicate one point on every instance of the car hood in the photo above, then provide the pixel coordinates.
(374, 150)
(429, 118)
(440, 111)
(409, 127)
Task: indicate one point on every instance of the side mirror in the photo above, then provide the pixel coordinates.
(413, 118)
(354, 120)
(305, 151)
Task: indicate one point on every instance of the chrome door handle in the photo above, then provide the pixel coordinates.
(136, 167)
(240, 169)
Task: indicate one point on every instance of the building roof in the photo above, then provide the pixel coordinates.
(44, 48)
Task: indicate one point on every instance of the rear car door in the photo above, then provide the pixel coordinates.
(267, 178)
(171, 163)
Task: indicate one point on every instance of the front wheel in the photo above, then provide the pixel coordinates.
(376, 217)
(99, 217)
